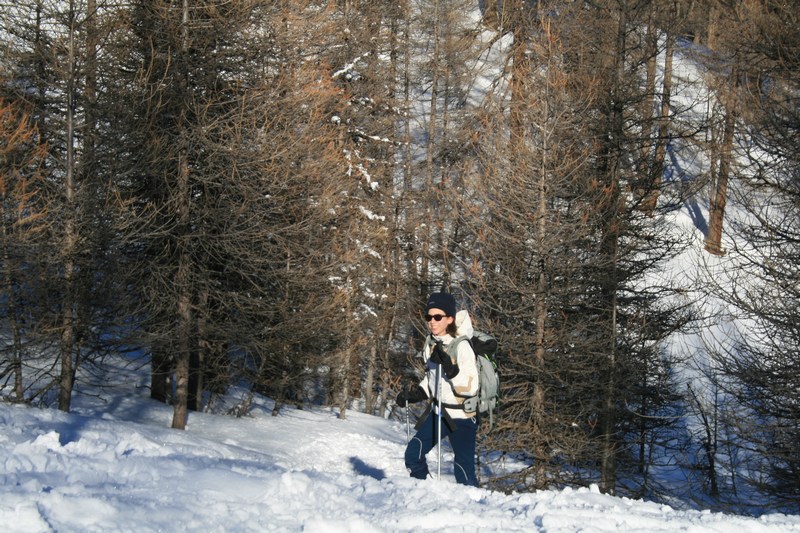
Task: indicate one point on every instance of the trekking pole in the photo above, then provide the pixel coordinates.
(439, 428)
(408, 426)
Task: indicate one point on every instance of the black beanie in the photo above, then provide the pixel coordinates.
(443, 301)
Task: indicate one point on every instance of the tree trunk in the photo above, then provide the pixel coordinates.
(663, 130)
(161, 369)
(430, 149)
(719, 187)
(369, 382)
(183, 280)
(68, 317)
(648, 104)
(610, 250)
(200, 356)
(344, 383)
(521, 72)
(184, 312)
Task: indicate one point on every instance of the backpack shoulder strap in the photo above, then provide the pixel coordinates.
(452, 348)
(452, 351)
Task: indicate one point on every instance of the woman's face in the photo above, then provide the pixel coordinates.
(438, 327)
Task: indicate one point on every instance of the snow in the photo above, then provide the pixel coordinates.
(113, 464)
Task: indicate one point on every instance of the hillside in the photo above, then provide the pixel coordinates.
(114, 465)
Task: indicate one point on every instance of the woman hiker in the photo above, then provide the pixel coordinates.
(459, 380)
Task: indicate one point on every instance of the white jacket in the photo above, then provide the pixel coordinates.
(465, 383)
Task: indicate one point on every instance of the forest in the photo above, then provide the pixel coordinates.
(265, 192)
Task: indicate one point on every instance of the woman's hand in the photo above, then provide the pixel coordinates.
(417, 394)
(440, 357)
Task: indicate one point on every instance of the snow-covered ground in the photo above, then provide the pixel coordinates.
(115, 465)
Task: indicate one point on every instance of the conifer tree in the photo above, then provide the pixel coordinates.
(51, 55)
(23, 211)
(759, 372)
(228, 192)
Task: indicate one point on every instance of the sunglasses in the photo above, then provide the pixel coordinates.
(437, 318)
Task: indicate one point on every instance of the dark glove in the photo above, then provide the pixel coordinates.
(404, 397)
(440, 357)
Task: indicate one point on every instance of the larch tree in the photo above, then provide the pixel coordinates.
(628, 311)
(725, 64)
(758, 370)
(433, 56)
(524, 202)
(23, 213)
(226, 196)
(363, 59)
(53, 46)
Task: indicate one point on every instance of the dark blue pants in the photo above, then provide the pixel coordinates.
(462, 440)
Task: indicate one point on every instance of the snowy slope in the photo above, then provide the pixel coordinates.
(116, 466)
